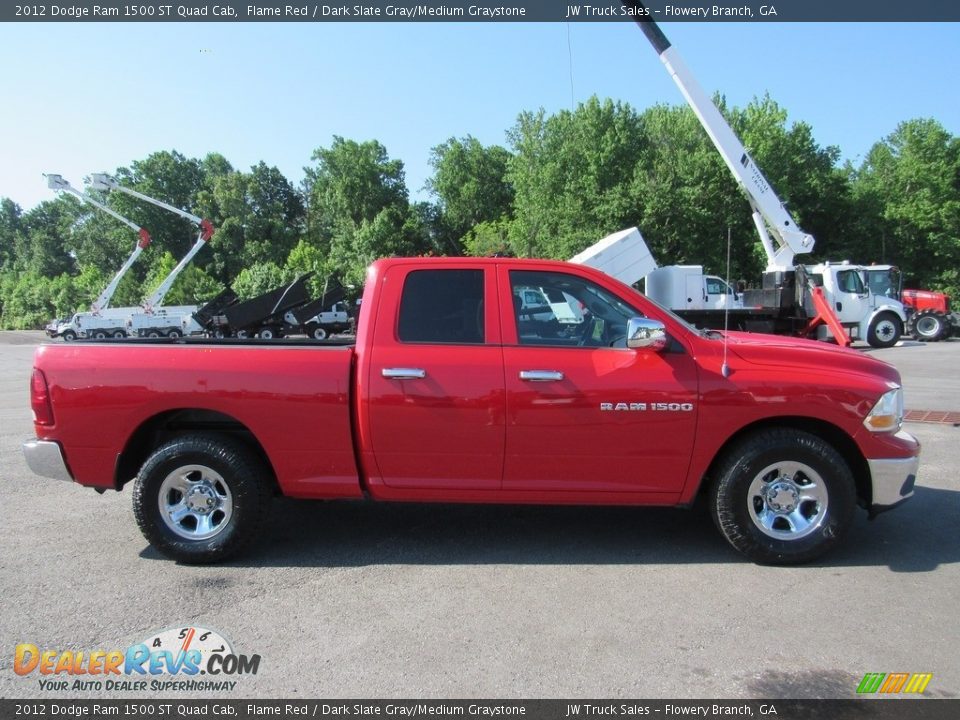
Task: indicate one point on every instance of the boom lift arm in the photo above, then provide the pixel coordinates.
(769, 213)
(101, 181)
(57, 182)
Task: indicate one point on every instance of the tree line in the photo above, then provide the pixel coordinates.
(563, 181)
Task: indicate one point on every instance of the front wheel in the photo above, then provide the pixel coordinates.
(201, 498)
(783, 497)
(69, 336)
(884, 331)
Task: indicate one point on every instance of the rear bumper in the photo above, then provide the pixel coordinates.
(45, 458)
(892, 480)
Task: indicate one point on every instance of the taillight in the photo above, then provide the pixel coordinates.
(40, 399)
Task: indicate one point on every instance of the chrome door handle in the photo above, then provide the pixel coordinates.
(404, 373)
(541, 375)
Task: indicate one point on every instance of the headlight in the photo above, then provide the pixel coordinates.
(887, 414)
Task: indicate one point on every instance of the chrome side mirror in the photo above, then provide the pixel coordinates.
(646, 334)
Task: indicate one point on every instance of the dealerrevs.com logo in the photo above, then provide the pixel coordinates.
(177, 659)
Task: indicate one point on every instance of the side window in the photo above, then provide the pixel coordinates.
(849, 281)
(573, 313)
(714, 287)
(442, 306)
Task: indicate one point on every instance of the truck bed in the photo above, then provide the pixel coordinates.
(112, 395)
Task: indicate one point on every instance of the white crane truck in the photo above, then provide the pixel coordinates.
(154, 319)
(828, 298)
(101, 321)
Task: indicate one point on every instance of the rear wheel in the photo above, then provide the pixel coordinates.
(173, 334)
(783, 496)
(884, 331)
(201, 498)
(100, 335)
(119, 334)
(319, 333)
(928, 326)
(153, 334)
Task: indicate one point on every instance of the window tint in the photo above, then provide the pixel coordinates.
(442, 306)
(573, 312)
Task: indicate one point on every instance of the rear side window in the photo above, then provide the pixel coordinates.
(442, 306)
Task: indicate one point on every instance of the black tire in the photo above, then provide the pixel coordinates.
(69, 336)
(928, 326)
(786, 466)
(100, 335)
(214, 467)
(153, 334)
(884, 331)
(173, 334)
(319, 333)
(119, 334)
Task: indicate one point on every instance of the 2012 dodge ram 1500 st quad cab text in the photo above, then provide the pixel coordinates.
(452, 394)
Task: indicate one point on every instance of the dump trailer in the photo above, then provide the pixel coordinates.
(263, 316)
(321, 317)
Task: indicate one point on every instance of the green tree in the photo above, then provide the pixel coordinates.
(259, 217)
(909, 188)
(10, 214)
(572, 173)
(259, 278)
(358, 207)
(470, 182)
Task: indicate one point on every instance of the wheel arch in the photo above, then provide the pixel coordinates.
(164, 426)
(830, 433)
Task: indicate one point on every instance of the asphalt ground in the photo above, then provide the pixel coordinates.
(383, 601)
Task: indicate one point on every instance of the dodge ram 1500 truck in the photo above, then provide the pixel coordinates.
(451, 394)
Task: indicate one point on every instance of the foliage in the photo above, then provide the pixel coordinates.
(909, 191)
(566, 180)
(471, 185)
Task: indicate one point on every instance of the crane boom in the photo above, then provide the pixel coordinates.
(57, 182)
(102, 181)
(769, 213)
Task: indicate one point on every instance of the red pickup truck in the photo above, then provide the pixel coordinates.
(455, 391)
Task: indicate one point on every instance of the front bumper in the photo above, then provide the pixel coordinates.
(892, 481)
(45, 458)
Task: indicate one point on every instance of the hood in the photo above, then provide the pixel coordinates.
(781, 351)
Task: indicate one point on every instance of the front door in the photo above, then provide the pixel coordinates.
(584, 412)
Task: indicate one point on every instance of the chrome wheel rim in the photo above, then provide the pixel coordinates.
(787, 500)
(195, 502)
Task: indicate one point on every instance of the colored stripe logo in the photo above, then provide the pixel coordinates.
(892, 683)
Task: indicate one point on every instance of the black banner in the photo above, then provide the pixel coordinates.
(866, 709)
(484, 11)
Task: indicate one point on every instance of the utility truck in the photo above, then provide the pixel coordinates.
(929, 315)
(153, 319)
(828, 299)
(101, 321)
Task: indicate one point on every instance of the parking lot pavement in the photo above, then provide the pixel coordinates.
(362, 600)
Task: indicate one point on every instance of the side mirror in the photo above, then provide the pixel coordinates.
(646, 334)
